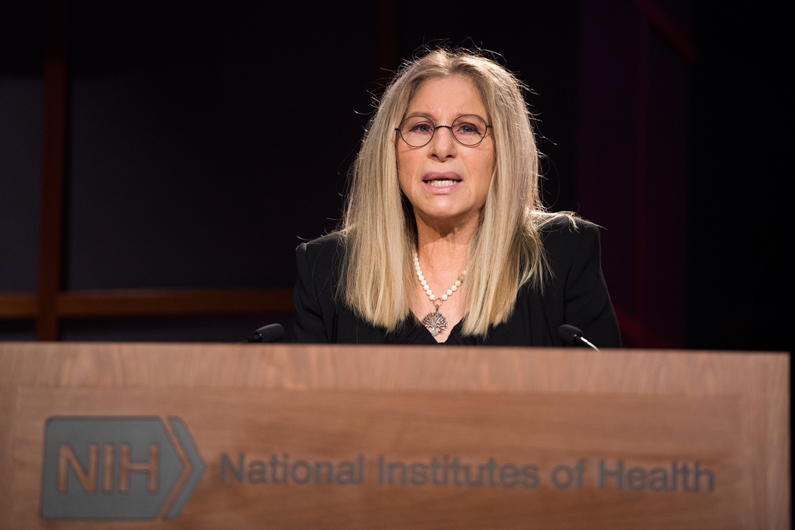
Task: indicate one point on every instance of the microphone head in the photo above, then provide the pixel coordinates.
(570, 334)
(269, 333)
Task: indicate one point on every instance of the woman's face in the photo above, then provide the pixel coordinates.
(445, 181)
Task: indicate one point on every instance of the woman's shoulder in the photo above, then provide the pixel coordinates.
(563, 226)
(322, 256)
(331, 240)
(568, 239)
(325, 248)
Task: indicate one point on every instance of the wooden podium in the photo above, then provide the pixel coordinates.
(297, 436)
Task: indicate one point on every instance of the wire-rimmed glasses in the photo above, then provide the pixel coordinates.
(468, 130)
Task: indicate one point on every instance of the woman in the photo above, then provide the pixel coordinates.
(444, 237)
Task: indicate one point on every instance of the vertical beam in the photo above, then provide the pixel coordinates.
(642, 172)
(387, 55)
(652, 17)
(54, 169)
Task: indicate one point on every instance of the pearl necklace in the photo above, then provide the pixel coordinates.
(435, 322)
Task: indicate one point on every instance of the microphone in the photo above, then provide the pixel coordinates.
(269, 333)
(572, 335)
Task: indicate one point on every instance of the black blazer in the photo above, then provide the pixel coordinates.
(576, 295)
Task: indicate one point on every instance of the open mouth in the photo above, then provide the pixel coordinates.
(441, 183)
(441, 180)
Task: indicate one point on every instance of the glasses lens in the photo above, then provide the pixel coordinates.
(469, 129)
(416, 131)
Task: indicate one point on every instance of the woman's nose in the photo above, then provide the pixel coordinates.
(443, 144)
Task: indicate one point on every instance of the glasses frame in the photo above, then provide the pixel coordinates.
(436, 127)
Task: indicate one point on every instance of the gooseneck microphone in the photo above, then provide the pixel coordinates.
(269, 333)
(573, 336)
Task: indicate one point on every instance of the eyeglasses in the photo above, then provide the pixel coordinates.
(468, 130)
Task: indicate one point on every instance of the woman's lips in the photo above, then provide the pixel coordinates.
(441, 181)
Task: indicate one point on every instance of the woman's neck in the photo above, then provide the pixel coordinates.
(444, 249)
(443, 253)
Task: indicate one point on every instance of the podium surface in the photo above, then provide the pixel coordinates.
(303, 436)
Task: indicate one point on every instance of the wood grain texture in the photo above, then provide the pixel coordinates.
(7, 401)
(544, 407)
(17, 305)
(152, 302)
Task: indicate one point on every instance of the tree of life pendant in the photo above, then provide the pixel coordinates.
(435, 322)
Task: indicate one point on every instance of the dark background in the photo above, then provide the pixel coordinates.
(207, 139)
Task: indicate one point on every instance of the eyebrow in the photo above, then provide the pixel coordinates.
(430, 117)
(418, 115)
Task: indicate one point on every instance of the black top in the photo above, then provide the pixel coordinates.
(413, 332)
(575, 294)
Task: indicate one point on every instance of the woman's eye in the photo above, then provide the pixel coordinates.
(422, 128)
(468, 128)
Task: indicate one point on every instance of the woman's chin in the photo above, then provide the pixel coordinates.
(449, 217)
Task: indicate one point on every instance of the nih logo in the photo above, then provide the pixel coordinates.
(118, 468)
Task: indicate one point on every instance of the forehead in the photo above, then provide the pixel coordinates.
(447, 97)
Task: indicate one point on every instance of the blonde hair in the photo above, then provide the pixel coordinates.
(379, 226)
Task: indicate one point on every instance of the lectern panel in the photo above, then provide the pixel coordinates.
(152, 436)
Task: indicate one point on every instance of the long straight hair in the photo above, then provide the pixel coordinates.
(379, 227)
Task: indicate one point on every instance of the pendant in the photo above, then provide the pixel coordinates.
(435, 322)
